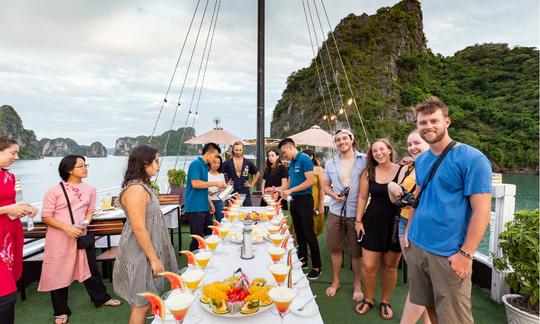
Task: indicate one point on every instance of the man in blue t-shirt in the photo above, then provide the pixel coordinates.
(445, 229)
(299, 188)
(237, 171)
(197, 206)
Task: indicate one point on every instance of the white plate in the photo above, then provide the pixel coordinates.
(308, 311)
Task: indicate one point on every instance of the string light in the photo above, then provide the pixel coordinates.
(196, 115)
(350, 101)
(341, 111)
(333, 117)
(325, 117)
(178, 108)
(190, 114)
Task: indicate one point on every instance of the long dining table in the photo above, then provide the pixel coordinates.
(227, 260)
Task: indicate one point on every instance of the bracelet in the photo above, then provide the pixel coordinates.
(358, 221)
(465, 254)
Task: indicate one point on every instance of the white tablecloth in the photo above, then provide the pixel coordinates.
(256, 267)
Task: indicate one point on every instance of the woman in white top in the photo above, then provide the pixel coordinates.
(215, 174)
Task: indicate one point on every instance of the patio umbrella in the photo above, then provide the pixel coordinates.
(315, 136)
(217, 135)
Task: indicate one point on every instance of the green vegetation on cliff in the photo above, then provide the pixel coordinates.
(11, 125)
(492, 90)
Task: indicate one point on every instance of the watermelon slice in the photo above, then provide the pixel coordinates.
(289, 279)
(285, 240)
(202, 242)
(158, 306)
(174, 279)
(284, 229)
(215, 230)
(216, 223)
(190, 257)
(289, 258)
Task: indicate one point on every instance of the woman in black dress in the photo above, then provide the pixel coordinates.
(376, 226)
(275, 176)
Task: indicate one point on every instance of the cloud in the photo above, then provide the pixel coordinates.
(98, 70)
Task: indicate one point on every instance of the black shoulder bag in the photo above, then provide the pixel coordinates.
(87, 240)
(430, 176)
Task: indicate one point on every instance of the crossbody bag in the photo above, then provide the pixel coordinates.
(85, 241)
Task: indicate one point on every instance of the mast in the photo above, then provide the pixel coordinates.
(260, 88)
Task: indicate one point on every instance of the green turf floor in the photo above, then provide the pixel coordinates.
(339, 309)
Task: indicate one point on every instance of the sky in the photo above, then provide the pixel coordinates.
(97, 70)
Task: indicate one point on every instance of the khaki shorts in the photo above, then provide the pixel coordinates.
(341, 234)
(432, 282)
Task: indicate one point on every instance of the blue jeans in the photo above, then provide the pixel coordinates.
(218, 204)
(402, 225)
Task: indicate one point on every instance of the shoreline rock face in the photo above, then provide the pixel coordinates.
(491, 90)
(125, 145)
(11, 125)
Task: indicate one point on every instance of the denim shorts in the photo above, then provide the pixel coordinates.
(402, 225)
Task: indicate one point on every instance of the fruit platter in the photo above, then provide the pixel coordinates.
(236, 296)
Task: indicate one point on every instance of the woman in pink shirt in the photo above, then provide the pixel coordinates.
(63, 262)
(11, 234)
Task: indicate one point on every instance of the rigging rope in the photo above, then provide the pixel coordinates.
(174, 73)
(321, 88)
(183, 86)
(336, 79)
(211, 29)
(346, 76)
(322, 62)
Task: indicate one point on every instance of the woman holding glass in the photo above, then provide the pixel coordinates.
(67, 208)
(215, 174)
(11, 233)
(145, 249)
(275, 176)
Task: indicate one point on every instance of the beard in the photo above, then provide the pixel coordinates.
(438, 137)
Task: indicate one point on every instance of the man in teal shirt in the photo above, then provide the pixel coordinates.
(301, 181)
(198, 207)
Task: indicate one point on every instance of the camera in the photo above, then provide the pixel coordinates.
(408, 199)
(344, 192)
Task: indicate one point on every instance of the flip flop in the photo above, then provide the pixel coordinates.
(332, 291)
(61, 319)
(112, 303)
(383, 310)
(358, 308)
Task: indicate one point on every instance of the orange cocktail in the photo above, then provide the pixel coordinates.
(212, 241)
(279, 271)
(276, 253)
(282, 298)
(178, 304)
(192, 277)
(272, 229)
(276, 238)
(223, 231)
(203, 257)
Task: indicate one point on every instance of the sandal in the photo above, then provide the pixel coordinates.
(383, 310)
(112, 303)
(359, 309)
(61, 319)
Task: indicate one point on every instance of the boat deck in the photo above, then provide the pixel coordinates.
(37, 307)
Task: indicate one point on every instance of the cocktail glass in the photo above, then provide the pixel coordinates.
(272, 229)
(276, 253)
(276, 238)
(203, 257)
(282, 298)
(192, 277)
(212, 241)
(179, 303)
(279, 271)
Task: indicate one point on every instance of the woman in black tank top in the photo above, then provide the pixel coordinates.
(374, 225)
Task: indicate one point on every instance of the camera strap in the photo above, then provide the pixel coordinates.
(436, 165)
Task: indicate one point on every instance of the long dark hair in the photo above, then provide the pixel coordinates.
(140, 157)
(269, 170)
(6, 142)
(67, 164)
(371, 163)
(309, 152)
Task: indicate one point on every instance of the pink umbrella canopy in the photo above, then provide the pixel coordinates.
(217, 135)
(315, 136)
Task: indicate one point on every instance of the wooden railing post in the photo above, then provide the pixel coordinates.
(505, 202)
